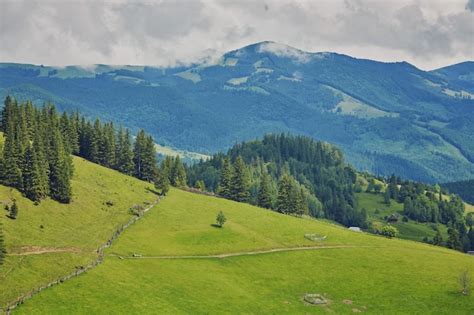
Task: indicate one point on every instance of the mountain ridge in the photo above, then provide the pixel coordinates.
(385, 116)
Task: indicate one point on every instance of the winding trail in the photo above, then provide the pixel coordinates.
(37, 250)
(248, 253)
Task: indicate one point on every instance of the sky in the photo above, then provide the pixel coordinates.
(427, 33)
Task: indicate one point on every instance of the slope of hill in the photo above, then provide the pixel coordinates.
(387, 117)
(50, 240)
(174, 261)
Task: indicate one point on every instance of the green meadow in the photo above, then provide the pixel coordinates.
(149, 268)
(50, 240)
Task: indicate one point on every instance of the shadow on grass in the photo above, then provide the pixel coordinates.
(156, 192)
(216, 225)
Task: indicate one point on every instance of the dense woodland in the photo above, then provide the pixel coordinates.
(290, 174)
(464, 188)
(36, 156)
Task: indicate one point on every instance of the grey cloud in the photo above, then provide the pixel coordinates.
(428, 33)
(470, 5)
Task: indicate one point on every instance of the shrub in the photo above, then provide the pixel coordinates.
(220, 219)
(389, 231)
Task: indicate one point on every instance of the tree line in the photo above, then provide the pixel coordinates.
(289, 174)
(36, 155)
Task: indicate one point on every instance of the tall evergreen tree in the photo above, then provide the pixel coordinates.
(226, 175)
(33, 181)
(59, 175)
(138, 152)
(124, 152)
(178, 173)
(264, 199)
(11, 162)
(240, 182)
(162, 182)
(284, 195)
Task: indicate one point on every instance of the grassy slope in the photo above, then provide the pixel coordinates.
(83, 225)
(394, 276)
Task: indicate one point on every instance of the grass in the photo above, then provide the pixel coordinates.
(392, 276)
(81, 226)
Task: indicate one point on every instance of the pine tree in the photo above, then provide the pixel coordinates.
(59, 176)
(33, 182)
(226, 174)
(162, 182)
(240, 182)
(138, 152)
(11, 167)
(13, 211)
(178, 173)
(124, 152)
(284, 195)
(264, 199)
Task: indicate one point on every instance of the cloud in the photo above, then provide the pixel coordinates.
(427, 33)
(470, 5)
(282, 50)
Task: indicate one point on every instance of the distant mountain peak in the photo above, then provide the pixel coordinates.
(279, 50)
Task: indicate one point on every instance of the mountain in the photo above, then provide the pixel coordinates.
(387, 117)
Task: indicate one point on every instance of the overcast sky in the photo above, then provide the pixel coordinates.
(427, 33)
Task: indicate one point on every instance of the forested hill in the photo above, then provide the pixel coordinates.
(386, 117)
(291, 174)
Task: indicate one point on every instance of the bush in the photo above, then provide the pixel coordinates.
(220, 219)
(389, 231)
(136, 210)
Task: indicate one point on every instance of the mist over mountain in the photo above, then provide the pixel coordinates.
(387, 117)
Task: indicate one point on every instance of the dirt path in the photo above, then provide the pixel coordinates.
(38, 250)
(249, 253)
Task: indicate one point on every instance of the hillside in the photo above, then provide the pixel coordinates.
(151, 268)
(50, 240)
(387, 117)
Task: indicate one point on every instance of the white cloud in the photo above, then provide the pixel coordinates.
(282, 50)
(427, 33)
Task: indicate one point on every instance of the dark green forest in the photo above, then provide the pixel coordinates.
(290, 174)
(39, 143)
(464, 188)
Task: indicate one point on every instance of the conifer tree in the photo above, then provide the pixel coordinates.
(162, 182)
(11, 162)
(124, 152)
(59, 176)
(138, 152)
(240, 183)
(33, 182)
(13, 211)
(226, 174)
(284, 194)
(264, 199)
(178, 173)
